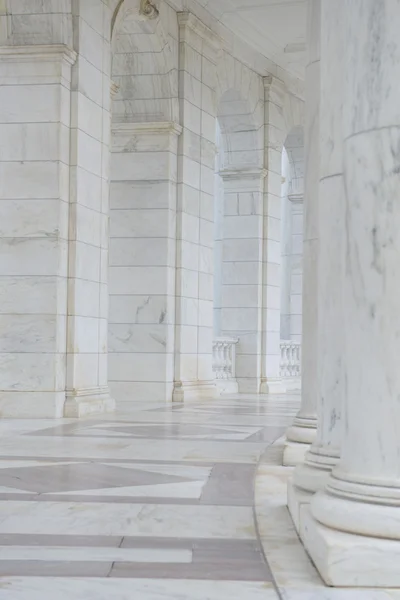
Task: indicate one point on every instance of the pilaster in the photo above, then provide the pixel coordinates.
(142, 260)
(242, 271)
(274, 137)
(35, 115)
(195, 217)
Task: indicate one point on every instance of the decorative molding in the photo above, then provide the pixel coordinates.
(243, 174)
(188, 20)
(296, 198)
(148, 10)
(275, 90)
(147, 128)
(44, 52)
(114, 87)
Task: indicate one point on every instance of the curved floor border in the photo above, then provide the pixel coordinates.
(293, 572)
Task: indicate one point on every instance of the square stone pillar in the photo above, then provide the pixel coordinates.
(35, 118)
(142, 260)
(87, 380)
(274, 138)
(241, 314)
(195, 217)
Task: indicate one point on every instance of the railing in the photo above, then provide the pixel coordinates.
(290, 367)
(224, 363)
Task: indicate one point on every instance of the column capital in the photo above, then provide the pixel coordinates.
(52, 63)
(33, 52)
(243, 174)
(147, 128)
(188, 21)
(275, 89)
(296, 198)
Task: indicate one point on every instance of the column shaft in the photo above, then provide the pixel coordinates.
(357, 515)
(303, 431)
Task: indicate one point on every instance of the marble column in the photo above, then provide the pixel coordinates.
(241, 312)
(303, 431)
(324, 452)
(352, 528)
(274, 137)
(198, 45)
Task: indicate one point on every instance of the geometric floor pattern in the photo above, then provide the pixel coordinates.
(154, 502)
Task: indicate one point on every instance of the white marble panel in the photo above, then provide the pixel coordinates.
(33, 588)
(65, 554)
(155, 520)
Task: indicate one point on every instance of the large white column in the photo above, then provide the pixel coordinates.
(324, 453)
(353, 529)
(195, 215)
(303, 431)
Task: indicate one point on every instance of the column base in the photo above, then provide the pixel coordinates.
(197, 390)
(299, 436)
(81, 403)
(227, 386)
(350, 560)
(296, 499)
(272, 386)
(294, 453)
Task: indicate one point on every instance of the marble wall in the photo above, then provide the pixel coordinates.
(90, 268)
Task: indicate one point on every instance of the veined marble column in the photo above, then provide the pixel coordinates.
(303, 431)
(324, 452)
(352, 529)
(241, 313)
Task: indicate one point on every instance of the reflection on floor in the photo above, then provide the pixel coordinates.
(155, 503)
(152, 504)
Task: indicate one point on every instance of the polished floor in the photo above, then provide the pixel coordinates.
(155, 503)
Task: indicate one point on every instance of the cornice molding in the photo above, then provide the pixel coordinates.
(243, 174)
(190, 21)
(296, 198)
(46, 52)
(145, 128)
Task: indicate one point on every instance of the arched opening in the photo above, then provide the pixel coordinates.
(292, 197)
(238, 231)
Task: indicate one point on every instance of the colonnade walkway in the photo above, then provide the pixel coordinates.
(153, 502)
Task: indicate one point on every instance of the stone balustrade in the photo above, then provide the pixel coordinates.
(290, 367)
(224, 362)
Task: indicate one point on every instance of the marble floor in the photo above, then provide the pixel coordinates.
(154, 503)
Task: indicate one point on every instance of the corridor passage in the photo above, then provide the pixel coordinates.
(152, 504)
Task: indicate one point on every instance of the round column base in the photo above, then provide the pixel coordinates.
(347, 559)
(313, 475)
